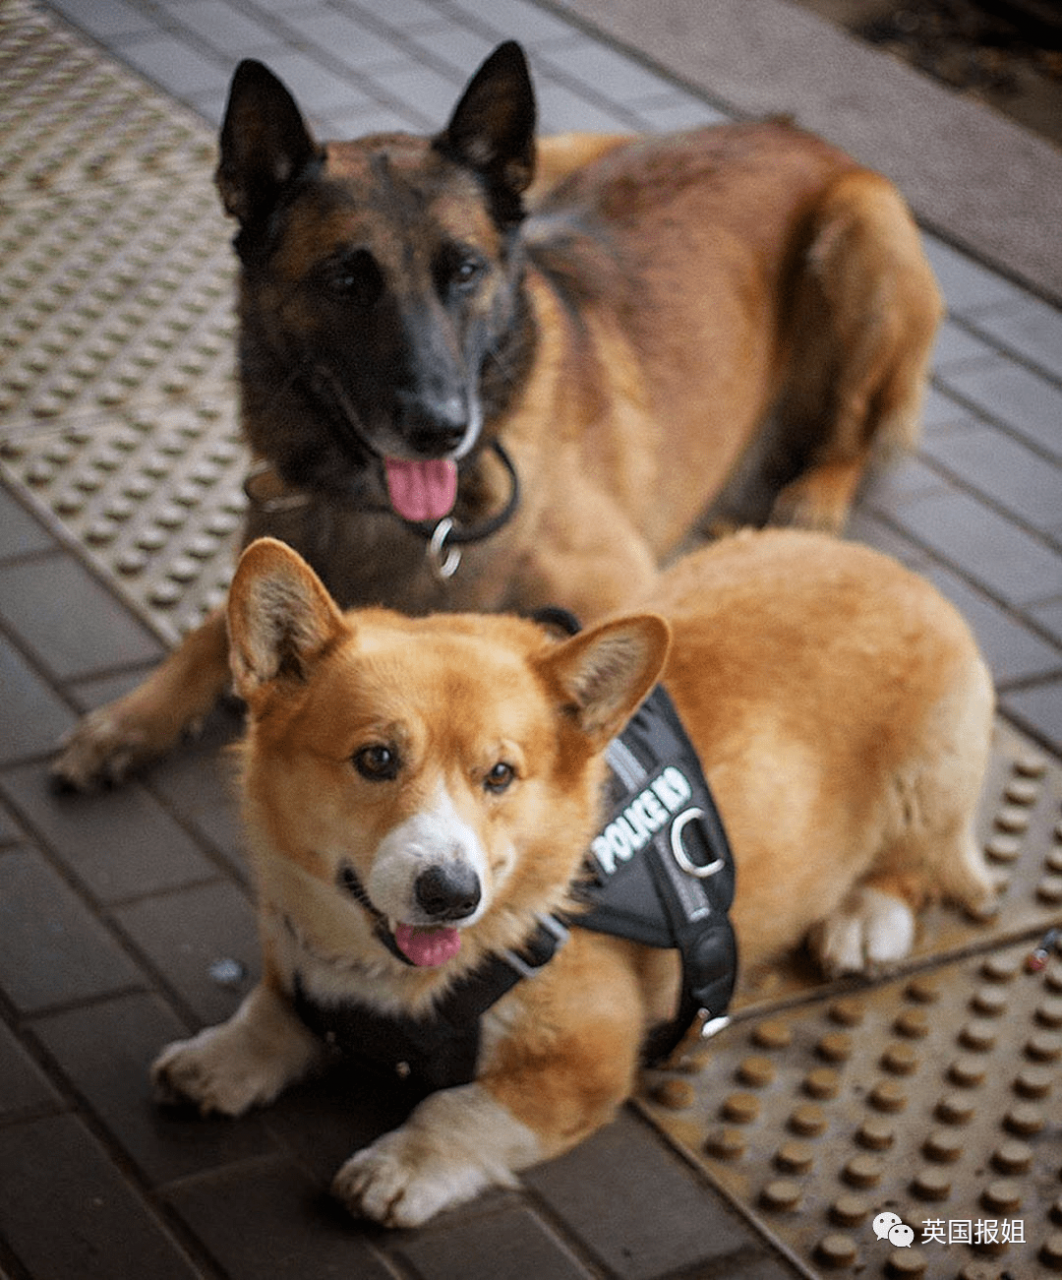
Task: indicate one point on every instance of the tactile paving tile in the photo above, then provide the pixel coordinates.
(70, 117)
(933, 1095)
(118, 295)
(153, 496)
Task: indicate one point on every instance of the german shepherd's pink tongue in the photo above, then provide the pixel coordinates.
(421, 490)
(427, 948)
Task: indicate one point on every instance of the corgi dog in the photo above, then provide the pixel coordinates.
(421, 795)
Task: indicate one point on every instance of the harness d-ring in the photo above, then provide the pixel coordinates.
(442, 569)
(679, 853)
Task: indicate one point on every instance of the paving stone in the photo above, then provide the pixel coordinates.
(939, 410)
(185, 933)
(1011, 563)
(906, 478)
(317, 89)
(965, 283)
(675, 114)
(119, 844)
(428, 91)
(1049, 616)
(105, 19)
(1005, 470)
(1012, 650)
(636, 1207)
(25, 1087)
(516, 20)
(60, 611)
(561, 108)
(229, 32)
(343, 37)
(1021, 399)
(53, 951)
(956, 344)
(296, 1231)
(32, 716)
(1031, 327)
(612, 74)
(1037, 708)
(20, 533)
(69, 1215)
(106, 1050)
(174, 65)
(511, 1244)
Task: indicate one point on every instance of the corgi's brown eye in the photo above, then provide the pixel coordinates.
(377, 762)
(499, 777)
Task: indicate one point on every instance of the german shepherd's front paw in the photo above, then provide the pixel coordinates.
(101, 750)
(403, 1179)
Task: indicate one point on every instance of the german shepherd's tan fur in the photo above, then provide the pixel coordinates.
(645, 326)
(842, 715)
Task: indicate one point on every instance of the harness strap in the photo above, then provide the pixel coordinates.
(440, 1048)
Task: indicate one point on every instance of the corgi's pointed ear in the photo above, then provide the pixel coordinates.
(602, 675)
(492, 129)
(265, 144)
(281, 617)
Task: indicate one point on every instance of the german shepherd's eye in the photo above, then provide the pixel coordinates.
(377, 762)
(355, 276)
(500, 777)
(459, 270)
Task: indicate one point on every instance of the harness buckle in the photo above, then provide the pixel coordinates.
(442, 569)
(678, 851)
(701, 1029)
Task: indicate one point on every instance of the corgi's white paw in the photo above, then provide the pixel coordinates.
(869, 932)
(401, 1181)
(242, 1063)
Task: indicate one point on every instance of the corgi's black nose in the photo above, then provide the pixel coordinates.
(448, 892)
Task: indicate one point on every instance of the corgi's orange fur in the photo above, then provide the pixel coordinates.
(842, 714)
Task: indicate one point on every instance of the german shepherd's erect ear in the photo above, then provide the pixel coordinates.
(492, 129)
(265, 144)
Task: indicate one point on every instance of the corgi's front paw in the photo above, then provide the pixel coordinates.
(402, 1181)
(243, 1063)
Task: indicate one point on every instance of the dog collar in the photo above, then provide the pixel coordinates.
(266, 492)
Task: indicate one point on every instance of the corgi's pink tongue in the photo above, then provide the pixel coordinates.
(421, 490)
(427, 948)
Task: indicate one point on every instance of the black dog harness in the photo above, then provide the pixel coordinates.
(660, 872)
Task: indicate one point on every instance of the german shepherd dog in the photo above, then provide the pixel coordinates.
(442, 355)
(420, 794)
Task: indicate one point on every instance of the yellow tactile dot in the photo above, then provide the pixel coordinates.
(1024, 1119)
(725, 1143)
(741, 1108)
(990, 1000)
(756, 1071)
(979, 1034)
(1034, 1082)
(933, 1183)
(888, 1096)
(676, 1095)
(835, 1047)
(1051, 1251)
(912, 1023)
(1001, 968)
(967, 1071)
(1049, 889)
(1022, 791)
(794, 1157)
(1013, 1156)
(876, 1134)
(907, 1262)
(850, 1209)
(900, 1059)
(847, 1011)
(1012, 818)
(923, 989)
(943, 1145)
(836, 1250)
(781, 1195)
(808, 1120)
(772, 1035)
(822, 1082)
(1002, 1196)
(863, 1170)
(954, 1108)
